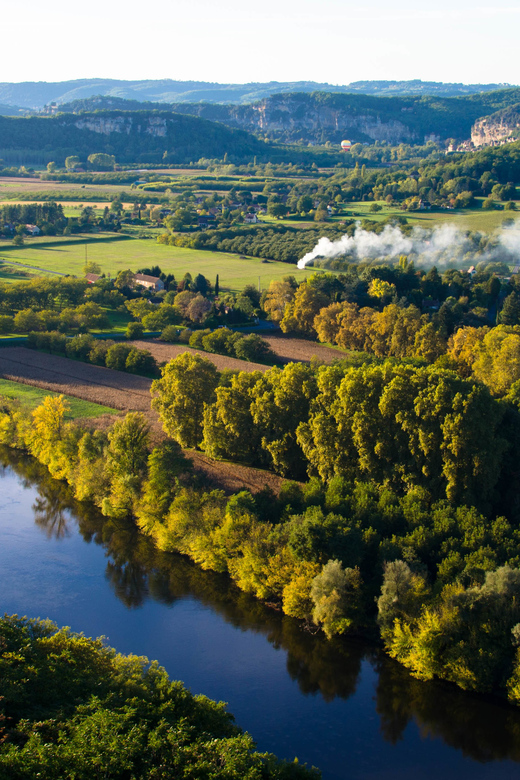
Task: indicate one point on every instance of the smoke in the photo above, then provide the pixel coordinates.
(443, 245)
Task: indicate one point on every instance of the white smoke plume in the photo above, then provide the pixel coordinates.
(441, 246)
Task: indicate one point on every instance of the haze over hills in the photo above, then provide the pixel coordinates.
(35, 95)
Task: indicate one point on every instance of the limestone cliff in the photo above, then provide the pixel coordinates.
(497, 128)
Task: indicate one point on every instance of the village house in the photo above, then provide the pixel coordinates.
(251, 219)
(33, 230)
(92, 278)
(151, 282)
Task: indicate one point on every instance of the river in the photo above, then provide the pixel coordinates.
(340, 705)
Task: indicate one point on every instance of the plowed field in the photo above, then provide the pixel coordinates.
(166, 352)
(83, 380)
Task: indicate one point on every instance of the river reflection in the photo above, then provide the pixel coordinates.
(481, 729)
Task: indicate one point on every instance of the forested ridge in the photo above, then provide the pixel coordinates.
(140, 136)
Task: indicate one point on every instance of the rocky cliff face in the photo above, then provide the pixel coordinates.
(297, 118)
(105, 125)
(316, 118)
(497, 128)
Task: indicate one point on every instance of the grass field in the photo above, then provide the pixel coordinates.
(116, 256)
(31, 396)
(467, 219)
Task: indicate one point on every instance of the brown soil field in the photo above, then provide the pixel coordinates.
(301, 350)
(82, 380)
(163, 352)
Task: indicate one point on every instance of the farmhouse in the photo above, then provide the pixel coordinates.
(92, 278)
(152, 282)
(33, 230)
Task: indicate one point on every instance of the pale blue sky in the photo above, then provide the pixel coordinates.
(239, 41)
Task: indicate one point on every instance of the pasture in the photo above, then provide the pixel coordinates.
(68, 257)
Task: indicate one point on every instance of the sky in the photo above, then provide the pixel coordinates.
(235, 41)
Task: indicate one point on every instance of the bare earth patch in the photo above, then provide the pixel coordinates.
(82, 380)
(301, 350)
(164, 352)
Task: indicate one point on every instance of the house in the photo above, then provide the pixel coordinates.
(92, 278)
(151, 282)
(251, 219)
(33, 230)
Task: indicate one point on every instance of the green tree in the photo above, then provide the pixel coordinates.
(187, 383)
(335, 592)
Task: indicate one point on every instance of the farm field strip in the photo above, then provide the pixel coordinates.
(166, 352)
(31, 396)
(100, 385)
(301, 350)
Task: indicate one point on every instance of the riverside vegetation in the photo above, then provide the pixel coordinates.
(409, 521)
(111, 716)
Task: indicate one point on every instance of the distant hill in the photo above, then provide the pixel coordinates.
(323, 116)
(132, 136)
(36, 94)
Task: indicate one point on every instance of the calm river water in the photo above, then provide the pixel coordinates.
(340, 705)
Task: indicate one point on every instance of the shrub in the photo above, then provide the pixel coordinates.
(6, 324)
(57, 342)
(37, 340)
(197, 337)
(134, 330)
(254, 349)
(185, 335)
(170, 334)
(98, 353)
(220, 341)
(117, 355)
(79, 346)
(141, 361)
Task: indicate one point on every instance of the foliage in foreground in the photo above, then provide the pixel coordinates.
(73, 708)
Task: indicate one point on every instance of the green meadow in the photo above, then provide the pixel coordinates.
(32, 397)
(114, 256)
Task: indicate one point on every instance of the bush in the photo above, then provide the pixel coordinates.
(80, 346)
(37, 340)
(98, 353)
(6, 324)
(221, 341)
(57, 342)
(196, 338)
(141, 361)
(254, 349)
(117, 355)
(170, 334)
(185, 335)
(134, 330)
